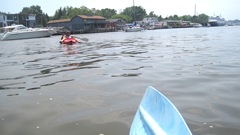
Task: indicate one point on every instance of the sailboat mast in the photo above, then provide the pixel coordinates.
(133, 11)
(195, 10)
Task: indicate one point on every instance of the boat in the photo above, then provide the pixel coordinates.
(69, 41)
(156, 115)
(197, 25)
(21, 32)
(216, 21)
(133, 27)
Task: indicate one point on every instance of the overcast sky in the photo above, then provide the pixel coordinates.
(229, 9)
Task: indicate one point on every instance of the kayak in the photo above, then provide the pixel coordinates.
(69, 41)
(156, 115)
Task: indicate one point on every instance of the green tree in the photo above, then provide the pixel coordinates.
(203, 19)
(40, 17)
(26, 10)
(186, 18)
(85, 11)
(135, 12)
(96, 12)
(73, 12)
(69, 12)
(174, 17)
(60, 14)
(151, 14)
(194, 19)
(122, 16)
(108, 13)
(160, 18)
(47, 17)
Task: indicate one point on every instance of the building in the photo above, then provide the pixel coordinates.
(10, 19)
(82, 23)
(118, 23)
(176, 24)
(149, 21)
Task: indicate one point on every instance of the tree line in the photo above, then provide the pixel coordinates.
(129, 14)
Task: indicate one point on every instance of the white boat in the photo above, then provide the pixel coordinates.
(21, 32)
(197, 25)
(133, 29)
(216, 21)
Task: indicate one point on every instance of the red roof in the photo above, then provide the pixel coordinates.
(61, 20)
(81, 16)
(92, 17)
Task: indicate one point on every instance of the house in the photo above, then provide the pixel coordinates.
(149, 21)
(82, 23)
(60, 23)
(118, 23)
(3, 20)
(178, 24)
(25, 19)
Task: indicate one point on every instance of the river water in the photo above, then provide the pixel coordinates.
(95, 87)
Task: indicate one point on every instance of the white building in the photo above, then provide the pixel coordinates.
(3, 20)
(150, 21)
(25, 19)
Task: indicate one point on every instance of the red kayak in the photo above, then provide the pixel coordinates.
(69, 41)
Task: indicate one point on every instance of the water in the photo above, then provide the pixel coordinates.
(95, 88)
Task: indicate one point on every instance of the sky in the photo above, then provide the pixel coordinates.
(229, 9)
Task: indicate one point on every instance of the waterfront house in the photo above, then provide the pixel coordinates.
(149, 21)
(27, 20)
(118, 23)
(82, 23)
(177, 24)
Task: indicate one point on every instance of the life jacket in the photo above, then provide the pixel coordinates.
(69, 41)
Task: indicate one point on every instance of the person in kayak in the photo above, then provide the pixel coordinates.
(67, 35)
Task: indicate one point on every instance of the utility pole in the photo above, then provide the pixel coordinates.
(41, 20)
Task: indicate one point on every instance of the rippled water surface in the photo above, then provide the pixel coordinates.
(95, 87)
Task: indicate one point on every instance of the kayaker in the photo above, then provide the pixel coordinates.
(68, 35)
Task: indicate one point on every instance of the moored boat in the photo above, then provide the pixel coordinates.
(21, 32)
(216, 21)
(197, 25)
(133, 27)
(156, 115)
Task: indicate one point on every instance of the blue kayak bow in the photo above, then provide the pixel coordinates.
(156, 115)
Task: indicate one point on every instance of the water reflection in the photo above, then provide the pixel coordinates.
(127, 75)
(71, 49)
(48, 84)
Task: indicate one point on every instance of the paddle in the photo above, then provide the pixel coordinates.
(83, 39)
